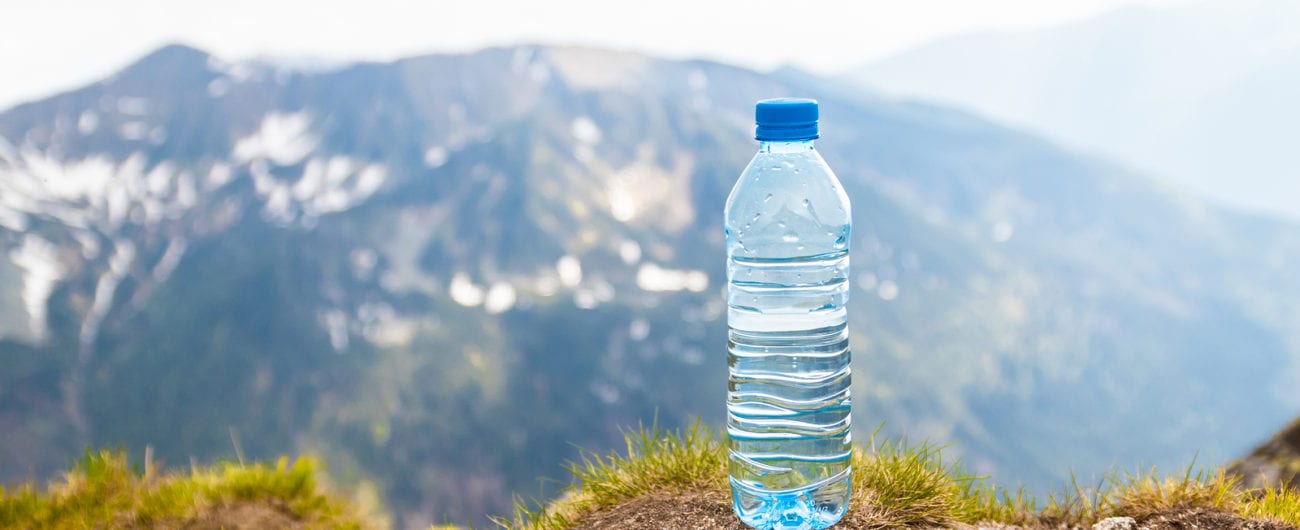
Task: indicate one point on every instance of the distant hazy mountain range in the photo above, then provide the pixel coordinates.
(442, 272)
(1202, 95)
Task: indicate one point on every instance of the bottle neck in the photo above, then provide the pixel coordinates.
(785, 146)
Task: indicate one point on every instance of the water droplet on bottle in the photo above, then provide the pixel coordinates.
(767, 198)
(807, 203)
(757, 215)
(780, 224)
(790, 237)
(776, 168)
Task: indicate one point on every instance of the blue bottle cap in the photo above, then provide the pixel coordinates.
(786, 119)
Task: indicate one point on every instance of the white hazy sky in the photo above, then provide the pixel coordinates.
(52, 45)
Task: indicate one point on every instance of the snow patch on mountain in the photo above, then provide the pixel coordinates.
(500, 298)
(219, 175)
(629, 251)
(435, 157)
(464, 291)
(41, 270)
(570, 270)
(92, 193)
(585, 130)
(652, 277)
(88, 122)
(237, 72)
(285, 139)
(645, 190)
(325, 186)
(133, 131)
(132, 106)
(119, 265)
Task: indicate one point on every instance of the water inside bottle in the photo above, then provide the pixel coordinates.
(788, 420)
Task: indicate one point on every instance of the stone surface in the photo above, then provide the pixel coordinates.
(1116, 523)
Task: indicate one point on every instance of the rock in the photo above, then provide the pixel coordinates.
(1116, 523)
(1193, 518)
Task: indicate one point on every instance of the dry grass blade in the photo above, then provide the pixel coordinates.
(1280, 505)
(1139, 495)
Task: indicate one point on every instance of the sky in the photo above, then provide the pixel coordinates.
(53, 45)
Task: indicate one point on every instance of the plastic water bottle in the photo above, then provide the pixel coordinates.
(788, 401)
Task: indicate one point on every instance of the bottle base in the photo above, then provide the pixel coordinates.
(814, 508)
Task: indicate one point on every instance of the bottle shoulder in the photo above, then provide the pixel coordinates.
(785, 206)
(793, 180)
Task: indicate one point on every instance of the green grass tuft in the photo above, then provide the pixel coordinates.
(1139, 495)
(1279, 505)
(654, 460)
(105, 491)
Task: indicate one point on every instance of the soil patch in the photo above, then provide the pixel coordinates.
(246, 515)
(698, 510)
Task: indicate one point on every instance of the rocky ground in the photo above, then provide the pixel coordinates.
(706, 511)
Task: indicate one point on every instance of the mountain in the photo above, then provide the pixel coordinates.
(444, 273)
(1198, 94)
(1274, 462)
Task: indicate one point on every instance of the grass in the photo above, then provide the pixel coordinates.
(895, 485)
(1281, 505)
(655, 459)
(105, 491)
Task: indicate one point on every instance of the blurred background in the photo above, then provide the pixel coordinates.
(443, 244)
